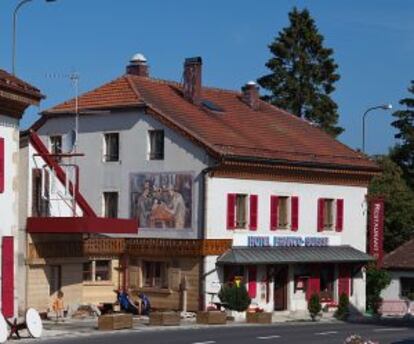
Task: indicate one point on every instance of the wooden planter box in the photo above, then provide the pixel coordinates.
(259, 317)
(111, 322)
(164, 319)
(212, 318)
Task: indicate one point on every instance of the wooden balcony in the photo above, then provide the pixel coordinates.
(115, 247)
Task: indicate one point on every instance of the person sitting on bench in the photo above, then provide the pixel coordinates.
(126, 302)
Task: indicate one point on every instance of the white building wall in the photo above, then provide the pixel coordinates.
(353, 233)
(393, 291)
(98, 176)
(354, 227)
(9, 130)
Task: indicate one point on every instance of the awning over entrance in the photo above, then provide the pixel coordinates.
(285, 255)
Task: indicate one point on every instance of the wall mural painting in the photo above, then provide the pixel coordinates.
(162, 200)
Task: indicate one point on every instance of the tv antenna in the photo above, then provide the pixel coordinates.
(74, 79)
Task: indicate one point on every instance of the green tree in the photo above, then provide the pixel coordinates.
(403, 152)
(303, 73)
(377, 280)
(398, 201)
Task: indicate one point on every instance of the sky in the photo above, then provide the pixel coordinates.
(373, 43)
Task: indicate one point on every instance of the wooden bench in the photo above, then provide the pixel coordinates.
(117, 321)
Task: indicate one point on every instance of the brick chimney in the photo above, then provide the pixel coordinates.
(251, 95)
(192, 79)
(138, 66)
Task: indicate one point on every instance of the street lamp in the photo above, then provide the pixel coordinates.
(19, 5)
(382, 107)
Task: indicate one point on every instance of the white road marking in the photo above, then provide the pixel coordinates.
(269, 337)
(326, 333)
(390, 329)
(208, 342)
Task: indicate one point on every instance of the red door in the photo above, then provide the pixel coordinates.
(280, 289)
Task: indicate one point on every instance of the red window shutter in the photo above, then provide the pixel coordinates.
(294, 213)
(253, 212)
(274, 212)
(2, 164)
(252, 282)
(344, 280)
(7, 280)
(321, 203)
(314, 283)
(231, 211)
(339, 215)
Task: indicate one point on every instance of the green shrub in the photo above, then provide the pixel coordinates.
(377, 280)
(314, 306)
(236, 297)
(342, 312)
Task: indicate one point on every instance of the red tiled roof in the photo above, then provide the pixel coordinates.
(401, 258)
(268, 133)
(12, 83)
(117, 93)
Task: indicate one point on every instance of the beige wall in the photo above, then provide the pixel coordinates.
(171, 297)
(74, 289)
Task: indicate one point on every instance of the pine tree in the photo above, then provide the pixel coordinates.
(398, 203)
(403, 152)
(303, 73)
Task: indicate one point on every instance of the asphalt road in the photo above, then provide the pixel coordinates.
(292, 334)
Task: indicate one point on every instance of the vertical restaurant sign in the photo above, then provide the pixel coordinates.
(376, 229)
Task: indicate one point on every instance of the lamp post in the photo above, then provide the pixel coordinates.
(382, 107)
(19, 5)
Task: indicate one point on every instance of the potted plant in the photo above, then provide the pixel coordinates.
(342, 312)
(235, 298)
(314, 306)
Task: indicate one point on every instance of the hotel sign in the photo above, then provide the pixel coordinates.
(287, 241)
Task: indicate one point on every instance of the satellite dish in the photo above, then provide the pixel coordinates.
(34, 323)
(4, 333)
(70, 141)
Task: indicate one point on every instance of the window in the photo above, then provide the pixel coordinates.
(97, 270)
(111, 149)
(327, 282)
(330, 214)
(87, 271)
(40, 198)
(241, 211)
(102, 270)
(56, 144)
(110, 204)
(156, 141)
(155, 275)
(232, 271)
(283, 217)
(407, 287)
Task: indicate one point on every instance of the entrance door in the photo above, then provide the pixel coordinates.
(55, 281)
(280, 289)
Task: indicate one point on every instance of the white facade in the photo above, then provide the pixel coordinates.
(353, 232)
(9, 131)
